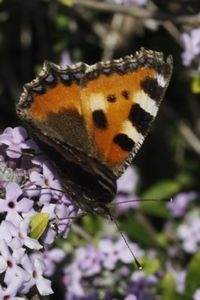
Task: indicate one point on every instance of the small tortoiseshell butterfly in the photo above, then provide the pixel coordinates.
(93, 119)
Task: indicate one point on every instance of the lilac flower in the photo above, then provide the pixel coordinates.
(78, 275)
(191, 43)
(87, 264)
(142, 286)
(38, 192)
(126, 186)
(65, 59)
(114, 252)
(15, 139)
(40, 182)
(110, 256)
(20, 235)
(130, 297)
(72, 282)
(49, 186)
(51, 258)
(94, 267)
(60, 216)
(11, 262)
(11, 289)
(180, 203)
(89, 260)
(64, 215)
(36, 268)
(138, 2)
(12, 205)
(196, 295)
(179, 277)
(124, 271)
(189, 232)
(49, 236)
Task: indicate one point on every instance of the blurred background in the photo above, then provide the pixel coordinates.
(168, 165)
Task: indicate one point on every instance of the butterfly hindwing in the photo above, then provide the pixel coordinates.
(51, 103)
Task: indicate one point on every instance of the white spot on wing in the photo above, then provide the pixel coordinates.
(97, 102)
(128, 129)
(146, 103)
(161, 80)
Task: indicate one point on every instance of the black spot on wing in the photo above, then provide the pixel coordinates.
(124, 142)
(99, 119)
(152, 89)
(111, 98)
(125, 94)
(139, 118)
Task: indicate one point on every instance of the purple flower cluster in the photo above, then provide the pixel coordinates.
(31, 201)
(34, 210)
(104, 272)
(142, 286)
(196, 295)
(180, 203)
(189, 232)
(191, 43)
(126, 186)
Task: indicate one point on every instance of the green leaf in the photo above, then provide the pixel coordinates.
(162, 189)
(195, 85)
(155, 208)
(66, 2)
(168, 287)
(61, 21)
(178, 296)
(38, 224)
(139, 231)
(162, 240)
(151, 265)
(152, 200)
(193, 275)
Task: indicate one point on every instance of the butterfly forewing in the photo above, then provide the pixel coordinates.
(120, 99)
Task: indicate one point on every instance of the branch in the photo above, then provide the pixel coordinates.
(138, 12)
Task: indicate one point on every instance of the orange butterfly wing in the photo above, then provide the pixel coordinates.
(120, 99)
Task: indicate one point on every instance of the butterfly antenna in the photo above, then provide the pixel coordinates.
(146, 200)
(139, 266)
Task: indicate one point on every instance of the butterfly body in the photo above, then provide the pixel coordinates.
(93, 119)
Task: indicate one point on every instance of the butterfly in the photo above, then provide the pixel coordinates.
(92, 119)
